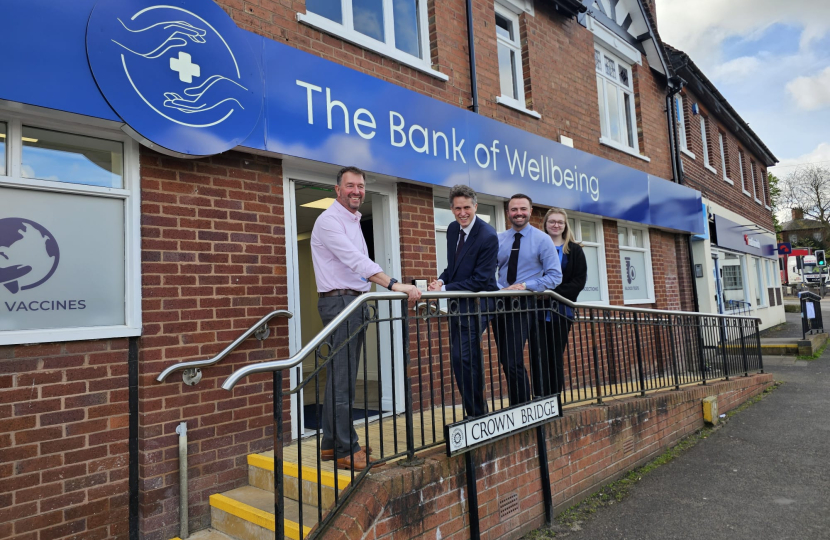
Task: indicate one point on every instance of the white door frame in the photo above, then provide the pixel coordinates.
(304, 171)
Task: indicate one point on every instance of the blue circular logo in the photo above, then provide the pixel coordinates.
(182, 75)
(29, 254)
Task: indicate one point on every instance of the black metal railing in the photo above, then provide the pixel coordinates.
(412, 379)
(737, 307)
(811, 321)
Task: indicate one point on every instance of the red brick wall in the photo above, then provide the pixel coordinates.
(213, 252)
(711, 184)
(587, 448)
(63, 440)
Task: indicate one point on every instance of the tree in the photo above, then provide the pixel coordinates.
(808, 188)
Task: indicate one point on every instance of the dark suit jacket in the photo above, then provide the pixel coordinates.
(574, 274)
(475, 269)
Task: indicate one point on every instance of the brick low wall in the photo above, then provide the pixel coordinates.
(587, 448)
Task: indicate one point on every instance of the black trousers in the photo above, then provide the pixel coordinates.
(551, 379)
(513, 328)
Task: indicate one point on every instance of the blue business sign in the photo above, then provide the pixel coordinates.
(185, 78)
(743, 238)
(181, 74)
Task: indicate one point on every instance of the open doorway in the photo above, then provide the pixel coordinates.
(374, 397)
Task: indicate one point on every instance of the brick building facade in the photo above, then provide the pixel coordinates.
(220, 238)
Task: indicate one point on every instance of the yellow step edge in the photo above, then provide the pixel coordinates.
(256, 516)
(309, 474)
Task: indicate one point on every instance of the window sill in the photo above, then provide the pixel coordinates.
(330, 27)
(748, 194)
(515, 105)
(728, 181)
(759, 202)
(710, 168)
(685, 151)
(617, 146)
(638, 301)
(56, 335)
(767, 207)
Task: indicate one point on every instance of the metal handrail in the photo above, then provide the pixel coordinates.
(260, 328)
(297, 358)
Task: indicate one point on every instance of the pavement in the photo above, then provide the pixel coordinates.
(764, 474)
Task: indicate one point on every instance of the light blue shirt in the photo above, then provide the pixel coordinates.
(539, 268)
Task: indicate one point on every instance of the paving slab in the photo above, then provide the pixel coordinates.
(765, 474)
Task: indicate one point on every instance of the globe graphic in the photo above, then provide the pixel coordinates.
(29, 254)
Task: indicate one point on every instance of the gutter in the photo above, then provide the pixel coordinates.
(472, 46)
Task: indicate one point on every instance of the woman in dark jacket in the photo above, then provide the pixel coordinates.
(574, 276)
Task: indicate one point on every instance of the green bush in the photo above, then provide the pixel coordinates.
(792, 308)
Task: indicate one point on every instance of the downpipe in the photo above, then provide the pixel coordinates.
(181, 429)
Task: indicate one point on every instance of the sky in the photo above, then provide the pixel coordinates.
(770, 59)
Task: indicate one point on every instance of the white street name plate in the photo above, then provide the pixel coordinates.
(468, 434)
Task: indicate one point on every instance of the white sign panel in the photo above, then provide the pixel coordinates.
(473, 432)
(635, 284)
(61, 260)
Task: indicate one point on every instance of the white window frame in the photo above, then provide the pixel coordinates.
(130, 193)
(680, 112)
(511, 13)
(754, 187)
(347, 32)
(645, 249)
(759, 276)
(723, 159)
(704, 137)
(743, 176)
(576, 232)
(605, 80)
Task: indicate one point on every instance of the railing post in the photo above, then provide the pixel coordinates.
(721, 327)
(596, 361)
(700, 350)
(409, 413)
(279, 507)
(674, 355)
(758, 344)
(640, 371)
(743, 348)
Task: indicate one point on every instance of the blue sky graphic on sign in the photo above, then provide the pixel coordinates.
(182, 74)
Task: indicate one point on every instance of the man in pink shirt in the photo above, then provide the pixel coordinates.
(344, 271)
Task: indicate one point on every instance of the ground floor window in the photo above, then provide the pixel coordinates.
(734, 282)
(69, 231)
(635, 258)
(758, 285)
(588, 232)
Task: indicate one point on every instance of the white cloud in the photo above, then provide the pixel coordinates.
(737, 69)
(811, 93)
(819, 155)
(699, 28)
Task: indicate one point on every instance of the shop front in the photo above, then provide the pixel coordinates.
(736, 268)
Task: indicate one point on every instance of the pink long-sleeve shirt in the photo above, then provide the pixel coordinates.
(339, 253)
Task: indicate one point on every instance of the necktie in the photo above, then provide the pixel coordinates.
(513, 261)
(460, 245)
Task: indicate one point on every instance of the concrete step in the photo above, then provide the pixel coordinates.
(247, 513)
(261, 475)
(207, 534)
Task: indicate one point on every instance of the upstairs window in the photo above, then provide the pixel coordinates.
(510, 56)
(617, 118)
(704, 138)
(741, 168)
(724, 156)
(394, 28)
(680, 114)
(752, 177)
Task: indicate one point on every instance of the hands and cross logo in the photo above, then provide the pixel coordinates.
(182, 75)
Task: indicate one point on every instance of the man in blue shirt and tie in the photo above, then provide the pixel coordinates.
(527, 261)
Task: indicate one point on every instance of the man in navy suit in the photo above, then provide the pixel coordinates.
(472, 255)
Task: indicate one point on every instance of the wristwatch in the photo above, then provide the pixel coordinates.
(391, 283)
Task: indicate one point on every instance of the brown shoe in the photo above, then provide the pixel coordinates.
(328, 455)
(357, 462)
